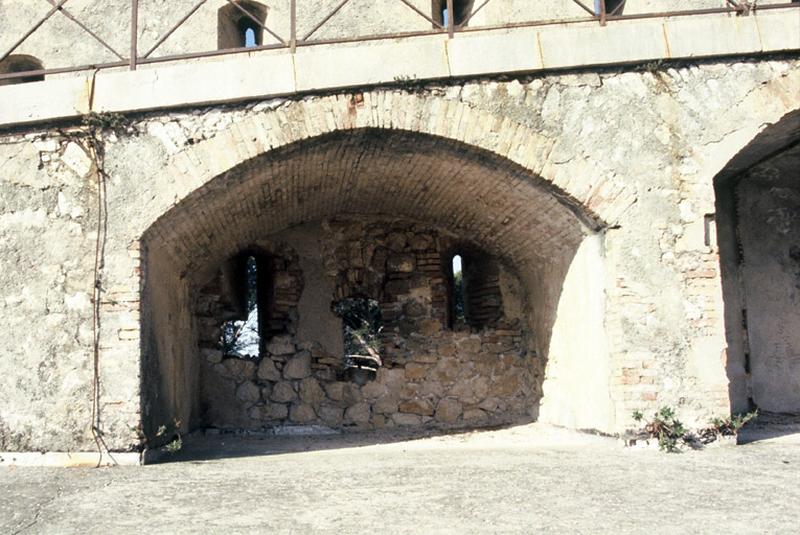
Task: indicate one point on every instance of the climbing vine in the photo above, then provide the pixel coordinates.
(90, 137)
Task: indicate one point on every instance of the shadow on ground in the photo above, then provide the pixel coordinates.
(771, 426)
(209, 445)
(212, 445)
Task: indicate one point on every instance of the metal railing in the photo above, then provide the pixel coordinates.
(597, 13)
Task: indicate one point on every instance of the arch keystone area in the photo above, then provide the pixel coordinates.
(294, 121)
(284, 178)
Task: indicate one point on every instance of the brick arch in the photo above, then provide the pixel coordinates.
(597, 200)
(302, 164)
(386, 173)
(759, 122)
(773, 139)
(750, 250)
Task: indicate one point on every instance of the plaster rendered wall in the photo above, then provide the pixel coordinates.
(577, 383)
(169, 355)
(505, 11)
(769, 229)
(46, 259)
(59, 42)
(320, 325)
(638, 148)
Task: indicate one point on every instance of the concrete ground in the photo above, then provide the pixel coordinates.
(524, 479)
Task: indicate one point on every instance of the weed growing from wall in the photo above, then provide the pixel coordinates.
(672, 435)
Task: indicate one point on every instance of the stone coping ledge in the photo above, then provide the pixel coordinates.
(319, 68)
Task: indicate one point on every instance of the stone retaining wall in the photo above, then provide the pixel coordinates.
(430, 375)
(597, 187)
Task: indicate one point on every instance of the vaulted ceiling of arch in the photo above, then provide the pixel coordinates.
(479, 197)
(771, 142)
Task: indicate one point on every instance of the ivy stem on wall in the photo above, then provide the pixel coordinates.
(90, 139)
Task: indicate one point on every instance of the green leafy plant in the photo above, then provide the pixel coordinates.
(174, 446)
(652, 66)
(671, 433)
(176, 443)
(731, 425)
(666, 428)
(107, 121)
(410, 83)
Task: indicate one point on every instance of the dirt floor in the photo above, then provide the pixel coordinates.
(526, 479)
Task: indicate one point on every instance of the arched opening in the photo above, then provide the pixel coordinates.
(758, 234)
(613, 7)
(250, 35)
(361, 228)
(476, 299)
(240, 337)
(461, 11)
(458, 318)
(19, 64)
(240, 25)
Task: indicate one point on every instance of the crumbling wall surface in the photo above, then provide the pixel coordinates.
(429, 376)
(48, 239)
(397, 172)
(662, 291)
(46, 259)
(769, 229)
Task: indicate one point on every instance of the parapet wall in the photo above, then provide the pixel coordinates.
(263, 73)
(61, 42)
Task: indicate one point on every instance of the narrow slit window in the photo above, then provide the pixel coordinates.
(249, 38)
(239, 30)
(613, 7)
(461, 11)
(248, 33)
(474, 291)
(241, 338)
(459, 318)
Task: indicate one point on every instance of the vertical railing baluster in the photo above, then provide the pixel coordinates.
(293, 27)
(134, 32)
(450, 19)
(602, 12)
